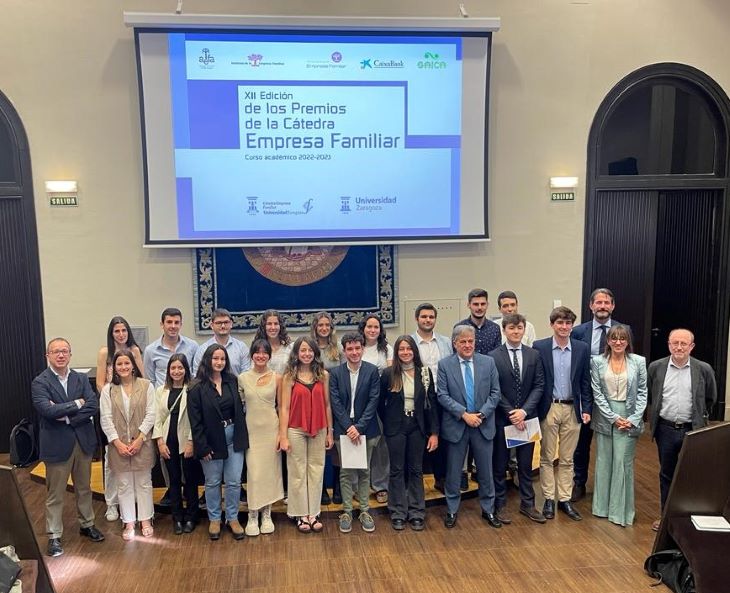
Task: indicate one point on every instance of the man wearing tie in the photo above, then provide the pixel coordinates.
(567, 403)
(521, 381)
(593, 333)
(66, 406)
(468, 391)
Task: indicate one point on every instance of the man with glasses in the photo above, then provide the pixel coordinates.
(682, 391)
(66, 405)
(593, 333)
(238, 354)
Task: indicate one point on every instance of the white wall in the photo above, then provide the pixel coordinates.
(69, 70)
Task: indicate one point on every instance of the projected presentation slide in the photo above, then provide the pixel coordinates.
(290, 135)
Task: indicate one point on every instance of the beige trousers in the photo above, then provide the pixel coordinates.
(78, 465)
(305, 468)
(560, 432)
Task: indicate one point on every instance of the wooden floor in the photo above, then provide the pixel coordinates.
(562, 556)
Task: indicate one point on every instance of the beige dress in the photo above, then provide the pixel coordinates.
(263, 462)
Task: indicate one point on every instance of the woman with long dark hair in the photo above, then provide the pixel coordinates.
(377, 351)
(408, 410)
(127, 417)
(220, 438)
(305, 431)
(272, 328)
(175, 443)
(260, 389)
(618, 378)
(118, 337)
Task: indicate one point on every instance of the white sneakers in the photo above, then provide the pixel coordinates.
(112, 513)
(267, 525)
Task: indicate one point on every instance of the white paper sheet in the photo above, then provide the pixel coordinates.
(353, 456)
(515, 437)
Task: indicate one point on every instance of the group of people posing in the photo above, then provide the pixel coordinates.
(220, 407)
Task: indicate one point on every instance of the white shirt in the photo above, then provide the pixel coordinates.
(354, 375)
(374, 356)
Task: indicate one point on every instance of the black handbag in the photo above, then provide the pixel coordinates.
(9, 571)
(672, 570)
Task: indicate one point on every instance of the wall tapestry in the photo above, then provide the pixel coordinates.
(348, 282)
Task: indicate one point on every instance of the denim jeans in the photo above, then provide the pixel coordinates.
(228, 472)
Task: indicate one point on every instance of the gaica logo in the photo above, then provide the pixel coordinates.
(431, 61)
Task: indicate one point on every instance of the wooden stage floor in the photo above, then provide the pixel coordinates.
(562, 556)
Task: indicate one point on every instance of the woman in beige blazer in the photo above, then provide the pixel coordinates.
(127, 417)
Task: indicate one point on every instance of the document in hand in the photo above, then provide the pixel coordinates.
(516, 437)
(353, 456)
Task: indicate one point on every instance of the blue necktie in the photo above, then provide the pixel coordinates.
(469, 384)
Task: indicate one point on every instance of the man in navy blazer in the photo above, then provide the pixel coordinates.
(593, 333)
(355, 416)
(468, 391)
(566, 404)
(522, 382)
(66, 405)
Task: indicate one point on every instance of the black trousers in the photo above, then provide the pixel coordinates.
(406, 499)
(500, 459)
(582, 455)
(669, 443)
(177, 468)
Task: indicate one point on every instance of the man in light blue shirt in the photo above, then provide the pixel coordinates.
(238, 354)
(158, 353)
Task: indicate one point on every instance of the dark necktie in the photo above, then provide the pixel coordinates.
(602, 340)
(469, 385)
(517, 374)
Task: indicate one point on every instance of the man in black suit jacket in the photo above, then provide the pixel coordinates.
(521, 382)
(354, 415)
(593, 333)
(567, 403)
(66, 406)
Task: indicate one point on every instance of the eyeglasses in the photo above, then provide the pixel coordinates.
(224, 322)
(60, 352)
(616, 340)
(680, 344)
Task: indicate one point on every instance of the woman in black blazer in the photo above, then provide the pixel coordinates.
(220, 439)
(408, 410)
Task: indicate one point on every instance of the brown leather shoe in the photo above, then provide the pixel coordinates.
(503, 515)
(533, 514)
(236, 529)
(214, 530)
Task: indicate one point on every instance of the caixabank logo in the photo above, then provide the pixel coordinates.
(431, 61)
(375, 64)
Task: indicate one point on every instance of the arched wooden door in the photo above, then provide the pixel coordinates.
(21, 304)
(657, 212)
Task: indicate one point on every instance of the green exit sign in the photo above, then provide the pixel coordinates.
(63, 201)
(562, 196)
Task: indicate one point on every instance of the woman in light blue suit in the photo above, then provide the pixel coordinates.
(618, 378)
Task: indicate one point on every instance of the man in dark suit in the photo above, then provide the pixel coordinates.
(66, 405)
(567, 403)
(682, 391)
(354, 395)
(593, 333)
(521, 382)
(468, 391)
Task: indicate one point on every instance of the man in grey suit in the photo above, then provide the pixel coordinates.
(682, 391)
(66, 405)
(468, 391)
